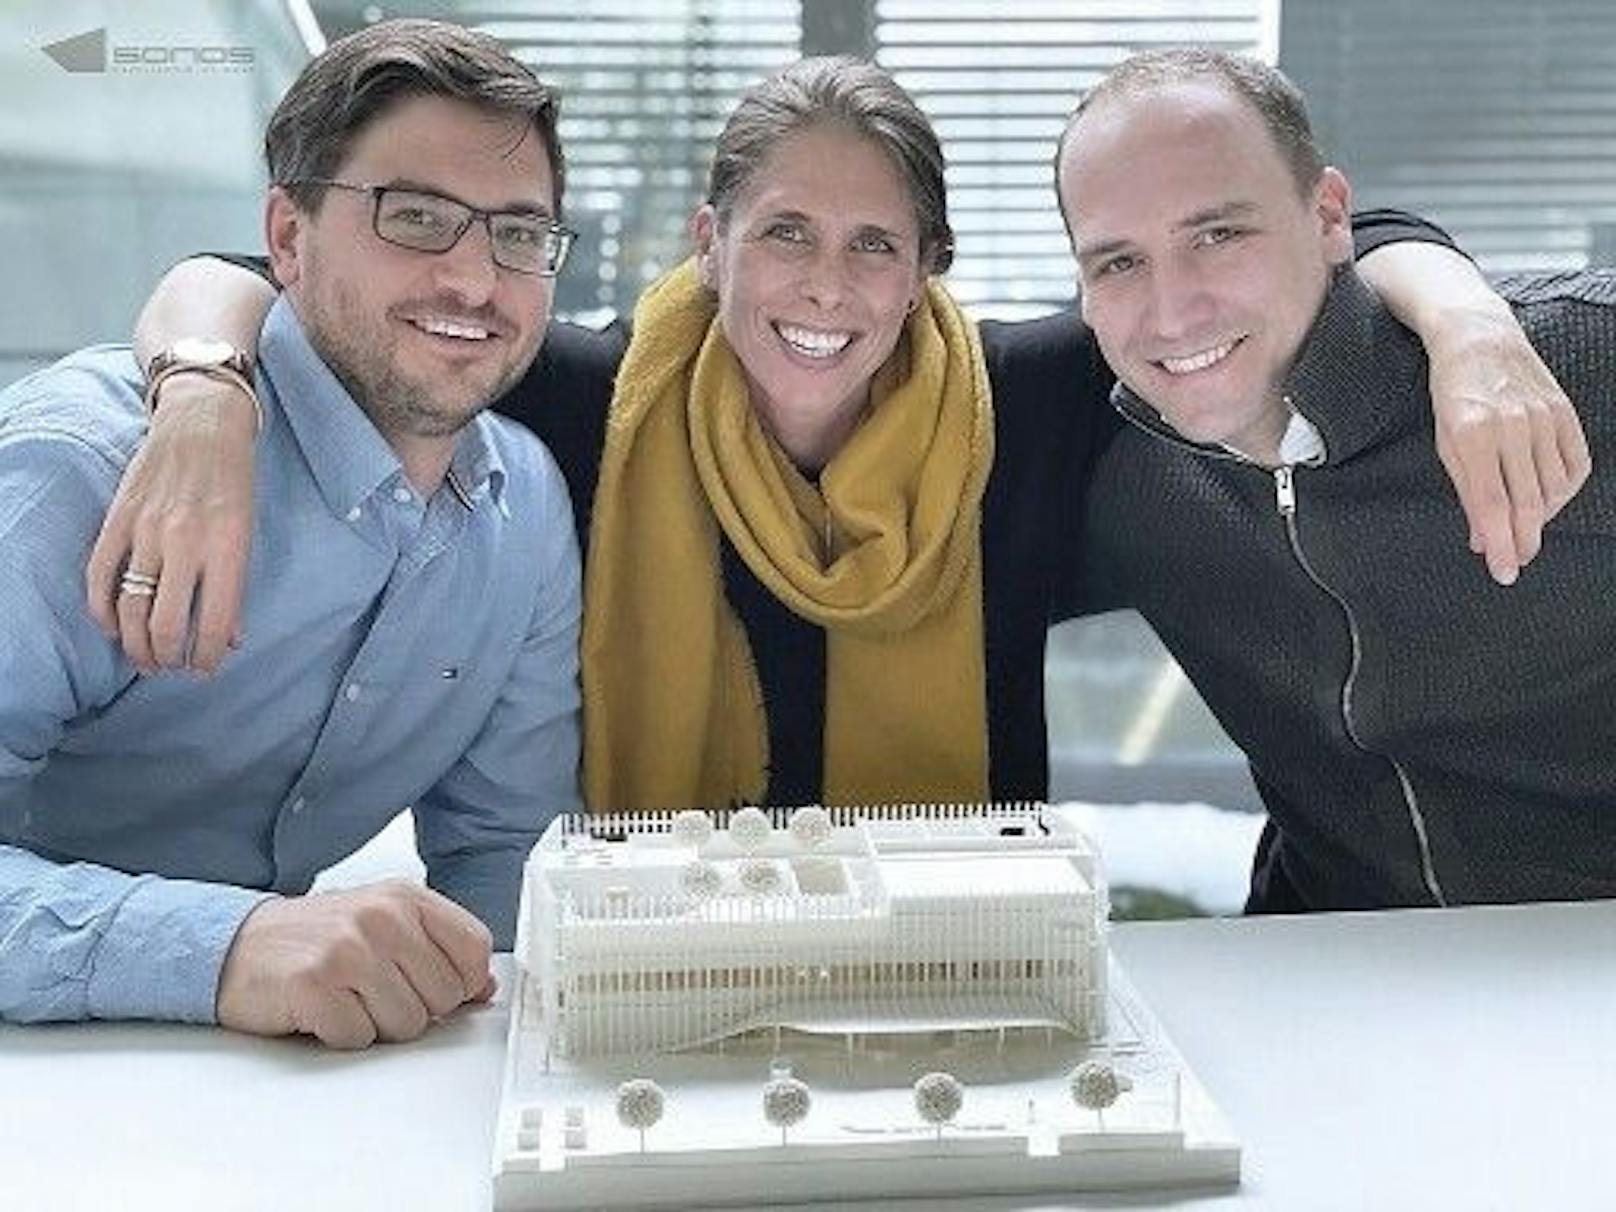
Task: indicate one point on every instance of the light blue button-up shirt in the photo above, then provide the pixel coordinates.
(398, 652)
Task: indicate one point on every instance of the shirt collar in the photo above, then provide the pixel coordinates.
(348, 456)
(477, 469)
(1300, 443)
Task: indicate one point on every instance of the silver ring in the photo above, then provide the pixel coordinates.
(137, 589)
(139, 578)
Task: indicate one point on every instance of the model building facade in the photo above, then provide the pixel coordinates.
(648, 934)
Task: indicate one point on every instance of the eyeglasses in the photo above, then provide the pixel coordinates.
(426, 222)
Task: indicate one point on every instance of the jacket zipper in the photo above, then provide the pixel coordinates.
(1285, 499)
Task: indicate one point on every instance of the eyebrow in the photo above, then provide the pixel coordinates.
(1211, 214)
(520, 206)
(1214, 214)
(797, 216)
(1104, 248)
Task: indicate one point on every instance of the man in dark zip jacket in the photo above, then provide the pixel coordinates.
(1277, 511)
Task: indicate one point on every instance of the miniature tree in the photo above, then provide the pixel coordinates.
(692, 827)
(639, 1105)
(1096, 1085)
(938, 1098)
(811, 827)
(701, 880)
(749, 828)
(786, 1102)
(761, 877)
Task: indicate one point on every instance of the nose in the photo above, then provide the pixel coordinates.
(824, 278)
(467, 271)
(1180, 303)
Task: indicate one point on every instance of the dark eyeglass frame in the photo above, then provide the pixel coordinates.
(560, 235)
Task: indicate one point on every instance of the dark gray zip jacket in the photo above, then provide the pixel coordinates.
(1419, 733)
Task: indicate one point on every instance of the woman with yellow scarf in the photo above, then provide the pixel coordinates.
(822, 555)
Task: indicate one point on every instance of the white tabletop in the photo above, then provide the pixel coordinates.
(1422, 1060)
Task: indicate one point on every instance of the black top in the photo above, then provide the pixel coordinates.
(1052, 416)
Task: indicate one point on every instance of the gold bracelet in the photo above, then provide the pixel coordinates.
(220, 374)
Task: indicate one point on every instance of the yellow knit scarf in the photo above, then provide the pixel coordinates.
(884, 554)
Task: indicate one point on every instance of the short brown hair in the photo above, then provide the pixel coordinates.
(1266, 89)
(359, 77)
(858, 97)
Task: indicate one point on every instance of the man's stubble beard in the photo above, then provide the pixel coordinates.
(366, 363)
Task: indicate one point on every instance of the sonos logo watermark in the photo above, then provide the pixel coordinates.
(90, 53)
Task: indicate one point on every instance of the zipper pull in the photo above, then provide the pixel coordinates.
(1284, 491)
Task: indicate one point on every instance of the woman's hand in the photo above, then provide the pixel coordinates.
(183, 514)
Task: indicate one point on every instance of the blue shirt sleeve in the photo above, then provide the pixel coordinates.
(477, 824)
(78, 940)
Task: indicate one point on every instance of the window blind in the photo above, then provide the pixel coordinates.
(1496, 118)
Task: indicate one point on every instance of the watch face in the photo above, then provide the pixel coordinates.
(203, 351)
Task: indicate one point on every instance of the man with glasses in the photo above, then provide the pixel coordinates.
(412, 600)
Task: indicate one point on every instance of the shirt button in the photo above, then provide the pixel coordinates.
(352, 692)
(298, 805)
(355, 514)
(403, 495)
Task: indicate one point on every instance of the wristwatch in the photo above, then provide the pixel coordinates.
(201, 354)
(205, 356)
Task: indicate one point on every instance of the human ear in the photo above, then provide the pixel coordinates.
(704, 235)
(283, 228)
(1332, 203)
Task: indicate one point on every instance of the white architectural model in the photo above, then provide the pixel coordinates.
(724, 959)
(845, 921)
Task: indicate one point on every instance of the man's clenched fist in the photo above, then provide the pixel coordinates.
(378, 962)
